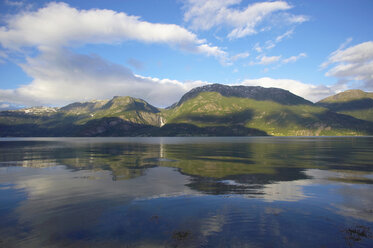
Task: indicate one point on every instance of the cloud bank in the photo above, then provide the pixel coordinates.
(62, 77)
(58, 25)
(308, 91)
(352, 64)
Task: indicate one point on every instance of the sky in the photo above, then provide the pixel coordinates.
(56, 52)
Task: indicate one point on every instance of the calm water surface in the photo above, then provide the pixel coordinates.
(186, 192)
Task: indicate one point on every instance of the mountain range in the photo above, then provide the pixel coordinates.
(211, 110)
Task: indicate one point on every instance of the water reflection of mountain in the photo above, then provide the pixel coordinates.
(214, 167)
(199, 188)
(125, 161)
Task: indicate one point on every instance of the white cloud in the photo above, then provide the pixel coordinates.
(240, 56)
(297, 19)
(269, 44)
(344, 44)
(258, 48)
(308, 91)
(284, 35)
(352, 64)
(211, 51)
(360, 53)
(61, 77)
(264, 60)
(58, 25)
(203, 15)
(294, 58)
(206, 14)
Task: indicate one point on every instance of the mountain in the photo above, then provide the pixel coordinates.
(120, 116)
(126, 108)
(253, 92)
(356, 103)
(84, 107)
(212, 110)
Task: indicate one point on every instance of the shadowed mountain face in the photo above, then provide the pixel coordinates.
(356, 103)
(185, 129)
(253, 92)
(212, 110)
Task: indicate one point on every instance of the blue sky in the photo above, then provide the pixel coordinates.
(54, 53)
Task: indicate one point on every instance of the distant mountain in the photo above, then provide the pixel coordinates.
(124, 107)
(84, 107)
(212, 110)
(356, 103)
(120, 116)
(38, 110)
(252, 92)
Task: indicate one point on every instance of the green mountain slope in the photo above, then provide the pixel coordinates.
(126, 108)
(356, 103)
(211, 109)
(252, 92)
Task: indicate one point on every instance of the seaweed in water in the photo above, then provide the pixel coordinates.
(181, 235)
(356, 234)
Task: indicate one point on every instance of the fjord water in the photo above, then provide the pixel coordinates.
(186, 192)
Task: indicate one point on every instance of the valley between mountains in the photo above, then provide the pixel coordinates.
(211, 110)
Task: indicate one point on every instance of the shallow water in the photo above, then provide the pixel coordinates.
(186, 192)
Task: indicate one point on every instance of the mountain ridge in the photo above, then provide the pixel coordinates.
(211, 110)
(253, 92)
